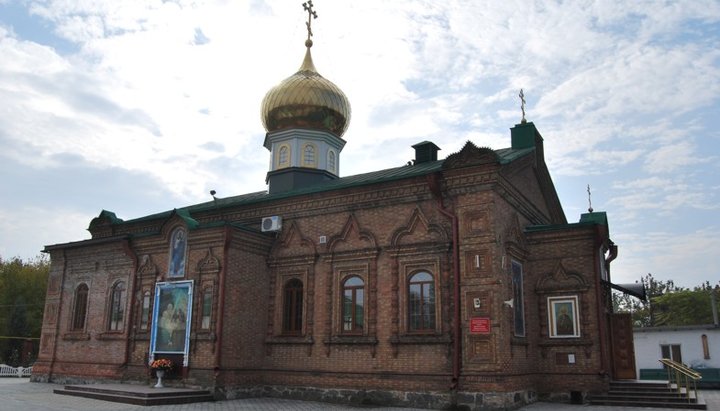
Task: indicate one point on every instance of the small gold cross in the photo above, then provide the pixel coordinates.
(522, 106)
(308, 6)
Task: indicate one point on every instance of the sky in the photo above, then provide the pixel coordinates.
(139, 107)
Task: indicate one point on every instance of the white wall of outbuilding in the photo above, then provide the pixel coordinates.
(649, 339)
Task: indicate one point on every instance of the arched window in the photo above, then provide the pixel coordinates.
(309, 155)
(80, 308)
(353, 303)
(145, 313)
(518, 298)
(283, 156)
(705, 347)
(117, 307)
(206, 308)
(421, 302)
(293, 307)
(178, 246)
(331, 161)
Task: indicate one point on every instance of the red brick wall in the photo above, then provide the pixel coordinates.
(382, 234)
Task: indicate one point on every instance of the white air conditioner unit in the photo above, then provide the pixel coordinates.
(273, 223)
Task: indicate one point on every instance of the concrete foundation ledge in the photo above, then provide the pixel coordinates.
(461, 401)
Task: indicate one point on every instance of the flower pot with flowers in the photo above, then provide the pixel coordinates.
(161, 366)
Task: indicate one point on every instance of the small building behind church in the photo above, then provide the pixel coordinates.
(697, 346)
(447, 281)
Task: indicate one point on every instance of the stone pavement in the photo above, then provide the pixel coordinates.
(22, 395)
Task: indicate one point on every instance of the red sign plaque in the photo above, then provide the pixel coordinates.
(480, 325)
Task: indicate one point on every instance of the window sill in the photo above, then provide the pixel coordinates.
(519, 340)
(204, 335)
(289, 340)
(351, 339)
(76, 336)
(421, 339)
(561, 342)
(111, 335)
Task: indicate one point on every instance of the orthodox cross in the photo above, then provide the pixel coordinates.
(590, 209)
(308, 6)
(522, 106)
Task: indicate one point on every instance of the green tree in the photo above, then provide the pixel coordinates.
(667, 304)
(23, 285)
(684, 307)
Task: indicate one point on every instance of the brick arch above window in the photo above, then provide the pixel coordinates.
(418, 229)
(351, 238)
(561, 279)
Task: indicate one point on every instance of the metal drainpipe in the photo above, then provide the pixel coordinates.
(598, 292)
(434, 186)
(221, 301)
(130, 253)
(613, 255)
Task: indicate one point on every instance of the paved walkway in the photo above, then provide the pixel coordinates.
(20, 394)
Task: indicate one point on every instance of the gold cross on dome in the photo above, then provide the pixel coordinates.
(522, 106)
(308, 6)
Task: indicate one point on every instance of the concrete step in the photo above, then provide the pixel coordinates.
(631, 403)
(644, 394)
(135, 394)
(650, 398)
(639, 385)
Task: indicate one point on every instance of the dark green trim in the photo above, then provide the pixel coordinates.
(506, 155)
(595, 218)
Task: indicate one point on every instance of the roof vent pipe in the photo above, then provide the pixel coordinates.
(425, 151)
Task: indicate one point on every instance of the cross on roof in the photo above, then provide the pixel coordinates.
(522, 106)
(590, 209)
(308, 6)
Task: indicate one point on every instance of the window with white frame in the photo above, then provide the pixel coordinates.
(309, 155)
(331, 161)
(283, 156)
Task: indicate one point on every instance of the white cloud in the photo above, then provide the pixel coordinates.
(19, 231)
(669, 158)
(622, 92)
(688, 257)
(670, 196)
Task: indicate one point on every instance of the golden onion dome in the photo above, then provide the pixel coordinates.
(306, 100)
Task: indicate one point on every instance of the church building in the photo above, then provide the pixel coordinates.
(455, 281)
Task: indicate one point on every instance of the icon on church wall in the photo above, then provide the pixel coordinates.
(178, 247)
(171, 317)
(563, 317)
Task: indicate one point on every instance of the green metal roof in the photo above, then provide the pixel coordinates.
(505, 156)
(508, 155)
(587, 219)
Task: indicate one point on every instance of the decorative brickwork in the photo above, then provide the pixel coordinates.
(269, 309)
